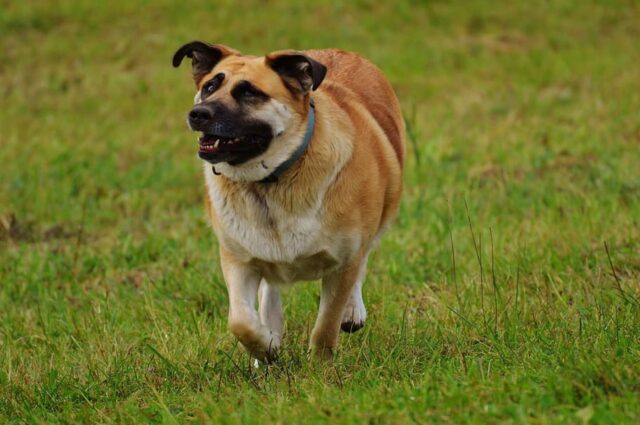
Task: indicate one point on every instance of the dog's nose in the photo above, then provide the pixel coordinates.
(200, 113)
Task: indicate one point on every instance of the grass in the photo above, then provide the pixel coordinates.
(507, 291)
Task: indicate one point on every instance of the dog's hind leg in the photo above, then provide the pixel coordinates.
(270, 308)
(243, 283)
(355, 313)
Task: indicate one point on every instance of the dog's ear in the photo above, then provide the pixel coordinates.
(298, 71)
(204, 57)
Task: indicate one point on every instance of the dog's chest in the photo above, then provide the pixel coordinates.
(287, 245)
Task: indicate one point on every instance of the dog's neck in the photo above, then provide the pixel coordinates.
(297, 154)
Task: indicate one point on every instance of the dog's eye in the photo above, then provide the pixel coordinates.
(250, 92)
(212, 85)
(245, 90)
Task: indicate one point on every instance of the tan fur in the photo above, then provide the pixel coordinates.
(349, 180)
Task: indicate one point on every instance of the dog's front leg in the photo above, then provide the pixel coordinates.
(336, 291)
(242, 284)
(270, 308)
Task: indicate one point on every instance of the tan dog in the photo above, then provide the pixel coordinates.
(304, 155)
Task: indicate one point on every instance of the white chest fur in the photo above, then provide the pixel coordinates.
(259, 229)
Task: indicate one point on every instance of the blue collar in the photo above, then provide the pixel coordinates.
(280, 169)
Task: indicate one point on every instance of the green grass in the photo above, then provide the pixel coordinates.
(507, 291)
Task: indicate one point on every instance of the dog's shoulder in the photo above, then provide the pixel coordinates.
(353, 77)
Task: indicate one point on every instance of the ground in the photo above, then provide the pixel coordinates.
(506, 292)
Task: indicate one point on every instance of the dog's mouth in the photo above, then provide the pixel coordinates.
(232, 149)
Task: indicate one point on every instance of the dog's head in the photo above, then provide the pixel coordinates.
(252, 111)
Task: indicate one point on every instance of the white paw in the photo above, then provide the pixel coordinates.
(259, 341)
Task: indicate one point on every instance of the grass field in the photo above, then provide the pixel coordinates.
(507, 291)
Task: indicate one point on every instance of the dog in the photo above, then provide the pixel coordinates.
(303, 157)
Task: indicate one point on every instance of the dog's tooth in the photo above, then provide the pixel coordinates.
(217, 143)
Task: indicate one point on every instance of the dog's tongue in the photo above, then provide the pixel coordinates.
(207, 139)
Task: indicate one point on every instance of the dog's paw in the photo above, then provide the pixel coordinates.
(351, 327)
(354, 316)
(258, 340)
